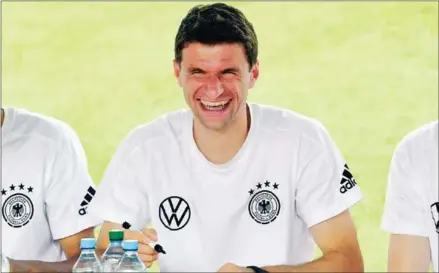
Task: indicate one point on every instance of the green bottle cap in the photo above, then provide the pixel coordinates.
(116, 235)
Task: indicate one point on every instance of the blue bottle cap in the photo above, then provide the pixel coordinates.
(88, 243)
(130, 245)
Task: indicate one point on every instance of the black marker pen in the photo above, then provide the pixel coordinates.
(153, 245)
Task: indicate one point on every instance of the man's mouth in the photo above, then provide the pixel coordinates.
(215, 105)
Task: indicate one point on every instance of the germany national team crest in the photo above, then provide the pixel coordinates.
(264, 206)
(18, 208)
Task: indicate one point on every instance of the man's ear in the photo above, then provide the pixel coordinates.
(177, 71)
(254, 74)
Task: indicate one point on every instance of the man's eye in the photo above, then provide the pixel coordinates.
(229, 73)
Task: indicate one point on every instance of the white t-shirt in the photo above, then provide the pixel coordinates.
(412, 202)
(254, 210)
(46, 187)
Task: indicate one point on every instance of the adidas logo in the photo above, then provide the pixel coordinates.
(87, 199)
(347, 181)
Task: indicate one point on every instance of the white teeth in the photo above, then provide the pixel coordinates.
(214, 103)
(214, 106)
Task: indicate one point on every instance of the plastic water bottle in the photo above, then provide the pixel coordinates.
(114, 252)
(130, 261)
(5, 264)
(88, 260)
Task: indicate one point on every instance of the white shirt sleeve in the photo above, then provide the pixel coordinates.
(403, 210)
(69, 188)
(326, 186)
(121, 195)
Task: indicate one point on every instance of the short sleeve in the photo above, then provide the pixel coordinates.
(69, 189)
(121, 195)
(403, 209)
(326, 186)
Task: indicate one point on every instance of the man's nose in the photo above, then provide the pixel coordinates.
(213, 88)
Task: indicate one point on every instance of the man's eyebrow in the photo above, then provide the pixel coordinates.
(196, 69)
(231, 69)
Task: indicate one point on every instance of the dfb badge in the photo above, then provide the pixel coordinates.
(264, 206)
(18, 208)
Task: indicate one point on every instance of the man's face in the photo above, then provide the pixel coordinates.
(215, 80)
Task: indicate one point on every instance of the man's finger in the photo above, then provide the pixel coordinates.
(150, 233)
(147, 264)
(148, 258)
(133, 235)
(146, 249)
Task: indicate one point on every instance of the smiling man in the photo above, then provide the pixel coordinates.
(230, 185)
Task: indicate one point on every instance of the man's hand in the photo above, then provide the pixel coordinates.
(233, 268)
(146, 253)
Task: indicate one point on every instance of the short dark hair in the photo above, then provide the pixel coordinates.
(216, 24)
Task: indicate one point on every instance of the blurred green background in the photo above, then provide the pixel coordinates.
(367, 70)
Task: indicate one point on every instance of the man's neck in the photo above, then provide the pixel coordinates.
(221, 147)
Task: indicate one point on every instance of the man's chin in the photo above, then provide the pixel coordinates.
(217, 126)
(218, 122)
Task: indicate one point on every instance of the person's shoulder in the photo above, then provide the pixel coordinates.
(281, 120)
(414, 156)
(420, 139)
(168, 125)
(424, 132)
(42, 127)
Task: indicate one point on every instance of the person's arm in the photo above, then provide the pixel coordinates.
(337, 239)
(46, 267)
(68, 193)
(408, 253)
(38, 266)
(404, 214)
(71, 244)
(121, 197)
(325, 191)
(103, 239)
(147, 255)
